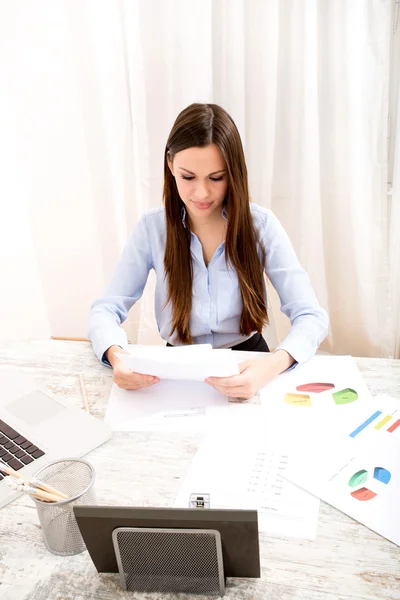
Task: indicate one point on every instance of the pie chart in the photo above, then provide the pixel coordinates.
(364, 493)
(316, 388)
(298, 399)
(345, 396)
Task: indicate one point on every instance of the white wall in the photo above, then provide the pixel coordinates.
(50, 253)
(22, 305)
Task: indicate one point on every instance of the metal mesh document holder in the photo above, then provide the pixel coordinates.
(75, 478)
(170, 560)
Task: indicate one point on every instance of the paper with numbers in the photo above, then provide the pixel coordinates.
(239, 468)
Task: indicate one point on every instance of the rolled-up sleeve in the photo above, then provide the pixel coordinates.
(126, 287)
(309, 322)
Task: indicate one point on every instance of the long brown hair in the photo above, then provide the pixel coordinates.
(202, 125)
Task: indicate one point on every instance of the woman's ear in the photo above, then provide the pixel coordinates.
(170, 164)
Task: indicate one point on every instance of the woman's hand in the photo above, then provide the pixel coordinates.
(123, 376)
(254, 374)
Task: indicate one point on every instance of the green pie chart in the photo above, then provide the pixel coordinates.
(358, 478)
(345, 396)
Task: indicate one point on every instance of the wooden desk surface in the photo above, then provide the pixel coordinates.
(145, 469)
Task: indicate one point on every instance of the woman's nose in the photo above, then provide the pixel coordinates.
(201, 191)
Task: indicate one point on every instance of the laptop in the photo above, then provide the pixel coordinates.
(36, 429)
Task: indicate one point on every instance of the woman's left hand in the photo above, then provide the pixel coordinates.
(254, 374)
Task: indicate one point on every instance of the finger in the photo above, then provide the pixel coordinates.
(233, 381)
(146, 379)
(243, 366)
(135, 386)
(129, 383)
(127, 372)
(139, 386)
(138, 376)
(232, 392)
(239, 395)
(147, 383)
(135, 377)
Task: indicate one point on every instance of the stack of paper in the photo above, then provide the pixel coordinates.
(195, 363)
(181, 401)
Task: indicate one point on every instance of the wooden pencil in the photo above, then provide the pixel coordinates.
(34, 482)
(83, 389)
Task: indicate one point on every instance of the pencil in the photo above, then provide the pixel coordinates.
(85, 400)
(47, 488)
(39, 485)
(42, 495)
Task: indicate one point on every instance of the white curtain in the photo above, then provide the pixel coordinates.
(94, 88)
(395, 247)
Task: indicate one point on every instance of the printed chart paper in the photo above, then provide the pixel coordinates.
(236, 466)
(359, 473)
(316, 398)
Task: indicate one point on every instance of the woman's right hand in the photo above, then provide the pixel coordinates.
(123, 376)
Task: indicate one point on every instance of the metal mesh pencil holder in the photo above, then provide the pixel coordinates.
(75, 478)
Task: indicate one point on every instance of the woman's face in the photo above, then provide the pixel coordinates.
(201, 179)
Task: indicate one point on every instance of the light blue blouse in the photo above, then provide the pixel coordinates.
(217, 302)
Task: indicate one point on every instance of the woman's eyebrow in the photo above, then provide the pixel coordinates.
(191, 172)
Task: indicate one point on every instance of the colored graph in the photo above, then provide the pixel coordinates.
(383, 422)
(298, 399)
(315, 388)
(345, 396)
(394, 426)
(382, 474)
(361, 427)
(363, 494)
(379, 425)
(360, 477)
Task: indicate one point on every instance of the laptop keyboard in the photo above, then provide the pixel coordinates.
(15, 450)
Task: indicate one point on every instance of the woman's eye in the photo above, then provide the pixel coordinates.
(189, 178)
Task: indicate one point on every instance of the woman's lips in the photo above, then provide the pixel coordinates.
(202, 205)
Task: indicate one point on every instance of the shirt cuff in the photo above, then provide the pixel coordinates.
(103, 342)
(300, 349)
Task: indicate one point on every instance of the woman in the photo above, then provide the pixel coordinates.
(209, 247)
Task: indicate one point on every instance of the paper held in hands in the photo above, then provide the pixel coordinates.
(166, 406)
(191, 363)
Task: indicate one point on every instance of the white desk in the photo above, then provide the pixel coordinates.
(145, 469)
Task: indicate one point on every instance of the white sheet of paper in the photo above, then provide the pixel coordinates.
(236, 466)
(181, 363)
(304, 415)
(165, 406)
(359, 473)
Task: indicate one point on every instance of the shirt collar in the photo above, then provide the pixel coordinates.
(183, 214)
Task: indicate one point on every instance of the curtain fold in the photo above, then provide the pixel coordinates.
(394, 246)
